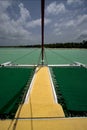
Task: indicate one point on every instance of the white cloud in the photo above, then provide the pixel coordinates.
(18, 30)
(78, 21)
(82, 35)
(81, 19)
(65, 24)
(84, 32)
(24, 15)
(70, 23)
(55, 8)
(74, 2)
(47, 21)
(4, 5)
(75, 22)
(57, 31)
(37, 22)
(14, 29)
(33, 23)
(25, 29)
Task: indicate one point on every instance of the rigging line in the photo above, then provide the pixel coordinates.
(24, 55)
(39, 59)
(31, 113)
(45, 56)
(20, 107)
(56, 53)
(56, 58)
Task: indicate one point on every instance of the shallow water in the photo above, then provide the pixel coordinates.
(51, 56)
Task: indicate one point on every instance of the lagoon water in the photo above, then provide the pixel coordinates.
(51, 56)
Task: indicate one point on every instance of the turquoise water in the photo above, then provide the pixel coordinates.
(33, 55)
(65, 56)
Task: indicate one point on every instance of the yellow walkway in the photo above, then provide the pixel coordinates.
(38, 112)
(41, 101)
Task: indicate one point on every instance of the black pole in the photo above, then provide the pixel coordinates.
(42, 27)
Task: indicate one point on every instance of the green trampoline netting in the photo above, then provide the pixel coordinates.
(72, 83)
(13, 86)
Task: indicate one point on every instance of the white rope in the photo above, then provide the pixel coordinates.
(53, 89)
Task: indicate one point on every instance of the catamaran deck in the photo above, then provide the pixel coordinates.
(40, 109)
(41, 101)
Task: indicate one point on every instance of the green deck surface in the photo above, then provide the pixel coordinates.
(72, 83)
(12, 84)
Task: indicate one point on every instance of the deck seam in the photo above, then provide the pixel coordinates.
(52, 86)
(30, 88)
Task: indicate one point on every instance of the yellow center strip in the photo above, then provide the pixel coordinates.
(41, 100)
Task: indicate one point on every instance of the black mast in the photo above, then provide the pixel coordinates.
(42, 28)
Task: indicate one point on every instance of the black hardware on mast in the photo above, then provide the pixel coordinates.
(42, 28)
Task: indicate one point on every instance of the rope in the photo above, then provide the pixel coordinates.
(21, 104)
(56, 59)
(62, 56)
(21, 57)
(45, 56)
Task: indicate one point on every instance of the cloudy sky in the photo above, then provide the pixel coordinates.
(20, 21)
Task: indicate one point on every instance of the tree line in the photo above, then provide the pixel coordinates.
(82, 44)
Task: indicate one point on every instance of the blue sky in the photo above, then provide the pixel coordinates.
(20, 21)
